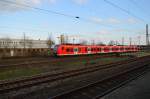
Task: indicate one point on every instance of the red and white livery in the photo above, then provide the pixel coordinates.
(74, 49)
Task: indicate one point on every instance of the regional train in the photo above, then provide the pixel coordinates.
(77, 49)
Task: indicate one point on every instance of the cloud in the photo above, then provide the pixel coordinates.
(52, 1)
(113, 21)
(80, 2)
(96, 19)
(15, 5)
(132, 21)
(106, 21)
(104, 31)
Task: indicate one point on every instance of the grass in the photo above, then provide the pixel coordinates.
(11, 73)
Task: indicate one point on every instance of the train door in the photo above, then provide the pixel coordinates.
(75, 51)
(88, 50)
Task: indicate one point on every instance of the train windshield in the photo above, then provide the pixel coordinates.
(55, 48)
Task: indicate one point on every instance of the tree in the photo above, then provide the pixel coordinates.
(101, 43)
(83, 42)
(50, 41)
(112, 42)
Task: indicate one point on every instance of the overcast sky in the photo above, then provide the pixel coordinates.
(82, 19)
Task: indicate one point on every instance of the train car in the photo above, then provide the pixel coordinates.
(76, 49)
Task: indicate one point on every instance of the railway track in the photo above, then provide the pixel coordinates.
(100, 88)
(14, 85)
(38, 61)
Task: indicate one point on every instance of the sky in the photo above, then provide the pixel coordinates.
(89, 20)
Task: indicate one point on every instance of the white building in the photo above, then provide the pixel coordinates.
(21, 43)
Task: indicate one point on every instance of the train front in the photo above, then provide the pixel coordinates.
(56, 50)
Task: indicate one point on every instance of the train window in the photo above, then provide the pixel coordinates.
(106, 49)
(100, 49)
(122, 48)
(89, 49)
(67, 50)
(116, 49)
(85, 49)
(71, 49)
(62, 48)
(75, 49)
(79, 49)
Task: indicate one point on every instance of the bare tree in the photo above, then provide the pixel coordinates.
(50, 41)
(100, 43)
(117, 43)
(64, 39)
(83, 42)
(112, 42)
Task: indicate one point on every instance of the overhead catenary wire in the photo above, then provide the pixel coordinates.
(57, 13)
(139, 7)
(124, 10)
(36, 8)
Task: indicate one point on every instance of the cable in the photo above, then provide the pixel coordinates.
(36, 8)
(139, 7)
(124, 10)
(58, 13)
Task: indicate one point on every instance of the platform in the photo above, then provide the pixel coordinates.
(137, 89)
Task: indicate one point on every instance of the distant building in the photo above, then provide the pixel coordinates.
(21, 43)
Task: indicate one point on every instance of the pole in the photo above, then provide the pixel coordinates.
(139, 40)
(130, 39)
(147, 35)
(24, 43)
(73, 40)
(122, 40)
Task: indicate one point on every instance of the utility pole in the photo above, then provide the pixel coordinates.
(130, 39)
(73, 40)
(59, 40)
(24, 37)
(147, 35)
(93, 42)
(139, 40)
(24, 43)
(122, 40)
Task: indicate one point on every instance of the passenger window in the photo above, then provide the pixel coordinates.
(89, 49)
(67, 50)
(75, 49)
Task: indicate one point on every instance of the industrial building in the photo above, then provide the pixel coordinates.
(22, 47)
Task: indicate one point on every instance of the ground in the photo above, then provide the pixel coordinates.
(137, 89)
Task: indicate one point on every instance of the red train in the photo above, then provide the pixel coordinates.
(74, 49)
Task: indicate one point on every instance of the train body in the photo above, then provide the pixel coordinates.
(72, 49)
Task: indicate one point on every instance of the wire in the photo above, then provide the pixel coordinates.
(124, 10)
(36, 8)
(139, 7)
(58, 13)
